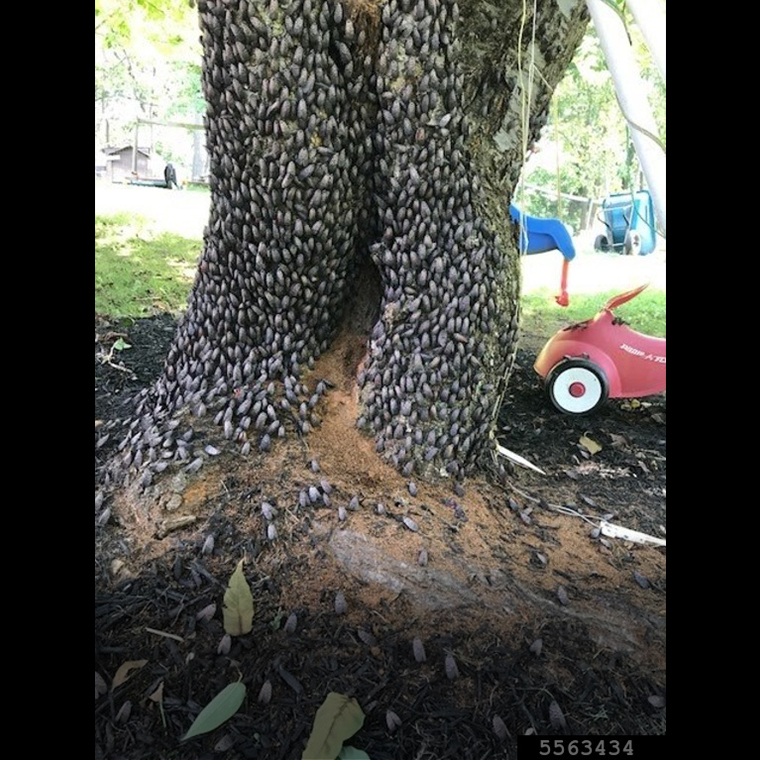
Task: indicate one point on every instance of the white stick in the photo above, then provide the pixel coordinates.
(617, 531)
(517, 459)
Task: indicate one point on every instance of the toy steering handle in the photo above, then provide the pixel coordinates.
(616, 301)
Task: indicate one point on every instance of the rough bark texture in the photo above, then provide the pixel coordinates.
(362, 153)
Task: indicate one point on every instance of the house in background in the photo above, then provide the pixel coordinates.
(119, 164)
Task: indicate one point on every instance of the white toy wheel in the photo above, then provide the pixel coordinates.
(577, 386)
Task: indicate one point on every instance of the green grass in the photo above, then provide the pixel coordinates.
(542, 317)
(140, 271)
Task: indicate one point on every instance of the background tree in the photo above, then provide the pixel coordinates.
(363, 155)
(147, 65)
(587, 129)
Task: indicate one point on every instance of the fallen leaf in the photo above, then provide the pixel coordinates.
(338, 719)
(238, 604)
(618, 441)
(221, 708)
(589, 444)
(158, 694)
(656, 701)
(340, 603)
(536, 647)
(419, 650)
(562, 595)
(422, 558)
(351, 753)
(208, 544)
(125, 670)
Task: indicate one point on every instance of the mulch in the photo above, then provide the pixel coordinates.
(505, 685)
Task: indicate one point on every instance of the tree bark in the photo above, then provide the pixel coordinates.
(362, 156)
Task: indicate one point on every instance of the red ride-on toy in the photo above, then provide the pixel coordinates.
(586, 363)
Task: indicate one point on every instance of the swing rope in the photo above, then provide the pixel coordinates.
(563, 298)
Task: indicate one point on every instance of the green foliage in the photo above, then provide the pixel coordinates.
(147, 64)
(338, 719)
(220, 709)
(351, 753)
(596, 156)
(238, 604)
(139, 271)
(542, 316)
(118, 21)
(121, 345)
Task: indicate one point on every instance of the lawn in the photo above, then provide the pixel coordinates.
(141, 270)
(144, 265)
(645, 313)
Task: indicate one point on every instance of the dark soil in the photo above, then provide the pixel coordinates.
(535, 573)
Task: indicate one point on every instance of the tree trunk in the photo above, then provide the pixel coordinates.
(363, 155)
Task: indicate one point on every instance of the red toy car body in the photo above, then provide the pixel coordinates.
(586, 363)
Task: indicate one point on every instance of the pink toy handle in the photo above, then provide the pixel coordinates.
(563, 299)
(616, 301)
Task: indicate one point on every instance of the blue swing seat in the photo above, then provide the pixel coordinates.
(543, 235)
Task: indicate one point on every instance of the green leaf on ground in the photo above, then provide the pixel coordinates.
(221, 708)
(238, 604)
(589, 444)
(121, 344)
(351, 753)
(339, 718)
